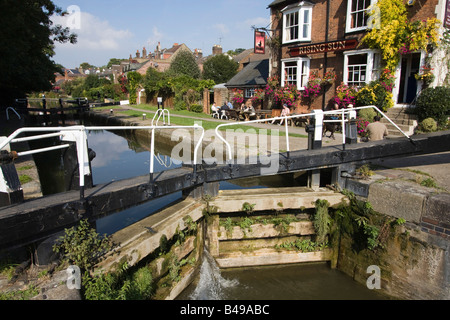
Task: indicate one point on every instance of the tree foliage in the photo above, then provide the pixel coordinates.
(220, 68)
(134, 81)
(114, 61)
(184, 64)
(185, 89)
(27, 40)
(94, 88)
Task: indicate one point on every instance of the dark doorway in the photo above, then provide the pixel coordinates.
(408, 84)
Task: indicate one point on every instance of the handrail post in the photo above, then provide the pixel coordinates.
(318, 129)
(287, 134)
(343, 127)
(197, 146)
(351, 130)
(152, 153)
(82, 151)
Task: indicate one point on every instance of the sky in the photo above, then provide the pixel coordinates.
(115, 29)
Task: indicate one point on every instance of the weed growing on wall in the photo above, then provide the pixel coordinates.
(83, 246)
(322, 220)
(368, 229)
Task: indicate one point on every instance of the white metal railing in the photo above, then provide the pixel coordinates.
(159, 113)
(78, 135)
(14, 110)
(319, 120)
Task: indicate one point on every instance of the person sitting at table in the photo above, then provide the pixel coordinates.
(223, 111)
(249, 111)
(214, 110)
(284, 113)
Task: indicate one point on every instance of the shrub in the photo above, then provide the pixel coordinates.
(434, 103)
(375, 94)
(367, 114)
(180, 105)
(83, 246)
(428, 125)
(196, 108)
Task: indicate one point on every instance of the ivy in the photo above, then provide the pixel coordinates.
(394, 34)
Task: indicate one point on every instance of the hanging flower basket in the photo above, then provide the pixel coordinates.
(425, 74)
(238, 96)
(328, 78)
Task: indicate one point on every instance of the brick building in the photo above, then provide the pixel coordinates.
(323, 35)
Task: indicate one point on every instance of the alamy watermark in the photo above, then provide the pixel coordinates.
(374, 20)
(73, 17)
(374, 280)
(241, 147)
(73, 278)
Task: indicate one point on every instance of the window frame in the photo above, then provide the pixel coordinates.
(371, 67)
(301, 77)
(348, 27)
(299, 9)
(249, 92)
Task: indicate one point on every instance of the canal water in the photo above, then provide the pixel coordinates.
(118, 158)
(308, 281)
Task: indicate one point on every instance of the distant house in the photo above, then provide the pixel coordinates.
(249, 55)
(68, 75)
(161, 59)
(251, 78)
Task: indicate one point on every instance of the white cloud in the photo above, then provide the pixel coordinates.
(222, 28)
(259, 22)
(156, 37)
(94, 33)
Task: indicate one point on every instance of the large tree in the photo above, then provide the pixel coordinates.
(184, 64)
(27, 38)
(220, 68)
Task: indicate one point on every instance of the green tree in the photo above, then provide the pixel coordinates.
(236, 51)
(155, 82)
(92, 81)
(114, 61)
(184, 64)
(27, 40)
(220, 68)
(134, 80)
(86, 66)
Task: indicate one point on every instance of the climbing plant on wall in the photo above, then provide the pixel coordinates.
(393, 34)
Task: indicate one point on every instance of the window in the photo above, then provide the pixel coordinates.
(249, 92)
(297, 22)
(295, 72)
(360, 67)
(357, 14)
